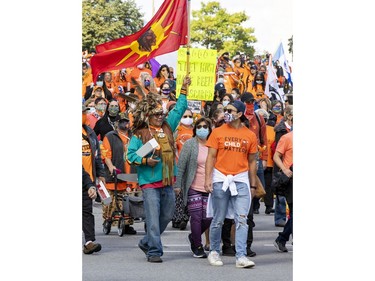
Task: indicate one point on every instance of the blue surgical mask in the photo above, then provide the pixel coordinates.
(147, 83)
(276, 109)
(166, 91)
(202, 133)
(99, 83)
(225, 103)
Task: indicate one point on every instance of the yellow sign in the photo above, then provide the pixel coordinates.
(202, 72)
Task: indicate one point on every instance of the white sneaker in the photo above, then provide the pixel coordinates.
(244, 262)
(214, 258)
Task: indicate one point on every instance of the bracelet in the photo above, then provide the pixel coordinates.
(253, 187)
(144, 161)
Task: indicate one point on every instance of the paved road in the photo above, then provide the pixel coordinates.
(121, 259)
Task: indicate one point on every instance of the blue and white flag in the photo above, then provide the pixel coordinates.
(280, 56)
(272, 89)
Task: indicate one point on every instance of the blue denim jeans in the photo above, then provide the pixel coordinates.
(241, 203)
(260, 174)
(159, 207)
(280, 209)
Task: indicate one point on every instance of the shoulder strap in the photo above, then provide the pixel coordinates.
(260, 126)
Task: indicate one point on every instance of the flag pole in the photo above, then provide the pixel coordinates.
(188, 46)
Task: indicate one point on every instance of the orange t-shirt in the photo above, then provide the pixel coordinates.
(233, 148)
(270, 139)
(183, 134)
(86, 156)
(285, 147)
(108, 154)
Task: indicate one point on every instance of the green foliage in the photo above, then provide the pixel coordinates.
(107, 20)
(214, 28)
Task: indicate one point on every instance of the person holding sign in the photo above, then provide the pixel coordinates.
(156, 170)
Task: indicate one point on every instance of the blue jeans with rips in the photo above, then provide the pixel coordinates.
(159, 208)
(241, 203)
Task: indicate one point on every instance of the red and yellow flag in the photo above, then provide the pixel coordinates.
(166, 31)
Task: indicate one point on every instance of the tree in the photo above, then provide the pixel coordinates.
(107, 20)
(214, 28)
(290, 45)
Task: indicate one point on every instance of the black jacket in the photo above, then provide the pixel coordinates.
(97, 164)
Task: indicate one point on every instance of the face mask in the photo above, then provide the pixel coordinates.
(225, 103)
(226, 58)
(92, 110)
(250, 109)
(165, 91)
(123, 125)
(276, 109)
(101, 107)
(202, 133)
(234, 96)
(228, 117)
(99, 83)
(259, 81)
(187, 121)
(113, 111)
(220, 80)
(147, 83)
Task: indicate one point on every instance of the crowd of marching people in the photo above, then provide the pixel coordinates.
(186, 178)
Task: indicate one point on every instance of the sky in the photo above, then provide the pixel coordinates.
(271, 19)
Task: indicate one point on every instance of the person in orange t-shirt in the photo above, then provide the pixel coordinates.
(283, 158)
(231, 162)
(162, 75)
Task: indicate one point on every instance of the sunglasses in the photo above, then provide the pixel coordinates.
(202, 126)
(229, 110)
(187, 116)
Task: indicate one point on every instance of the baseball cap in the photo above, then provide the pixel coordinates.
(253, 66)
(219, 86)
(239, 105)
(247, 97)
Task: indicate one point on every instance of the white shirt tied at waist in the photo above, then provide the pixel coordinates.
(228, 182)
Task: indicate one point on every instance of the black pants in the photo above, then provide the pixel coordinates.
(225, 232)
(88, 220)
(268, 198)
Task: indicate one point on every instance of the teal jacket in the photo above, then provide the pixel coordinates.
(147, 174)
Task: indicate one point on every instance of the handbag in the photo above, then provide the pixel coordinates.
(279, 183)
(259, 191)
(133, 205)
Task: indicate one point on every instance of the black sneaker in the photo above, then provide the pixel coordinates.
(183, 225)
(269, 210)
(154, 259)
(130, 230)
(228, 251)
(250, 253)
(199, 253)
(280, 246)
(192, 248)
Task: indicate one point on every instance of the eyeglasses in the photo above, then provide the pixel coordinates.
(187, 116)
(229, 110)
(200, 126)
(259, 94)
(113, 105)
(157, 115)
